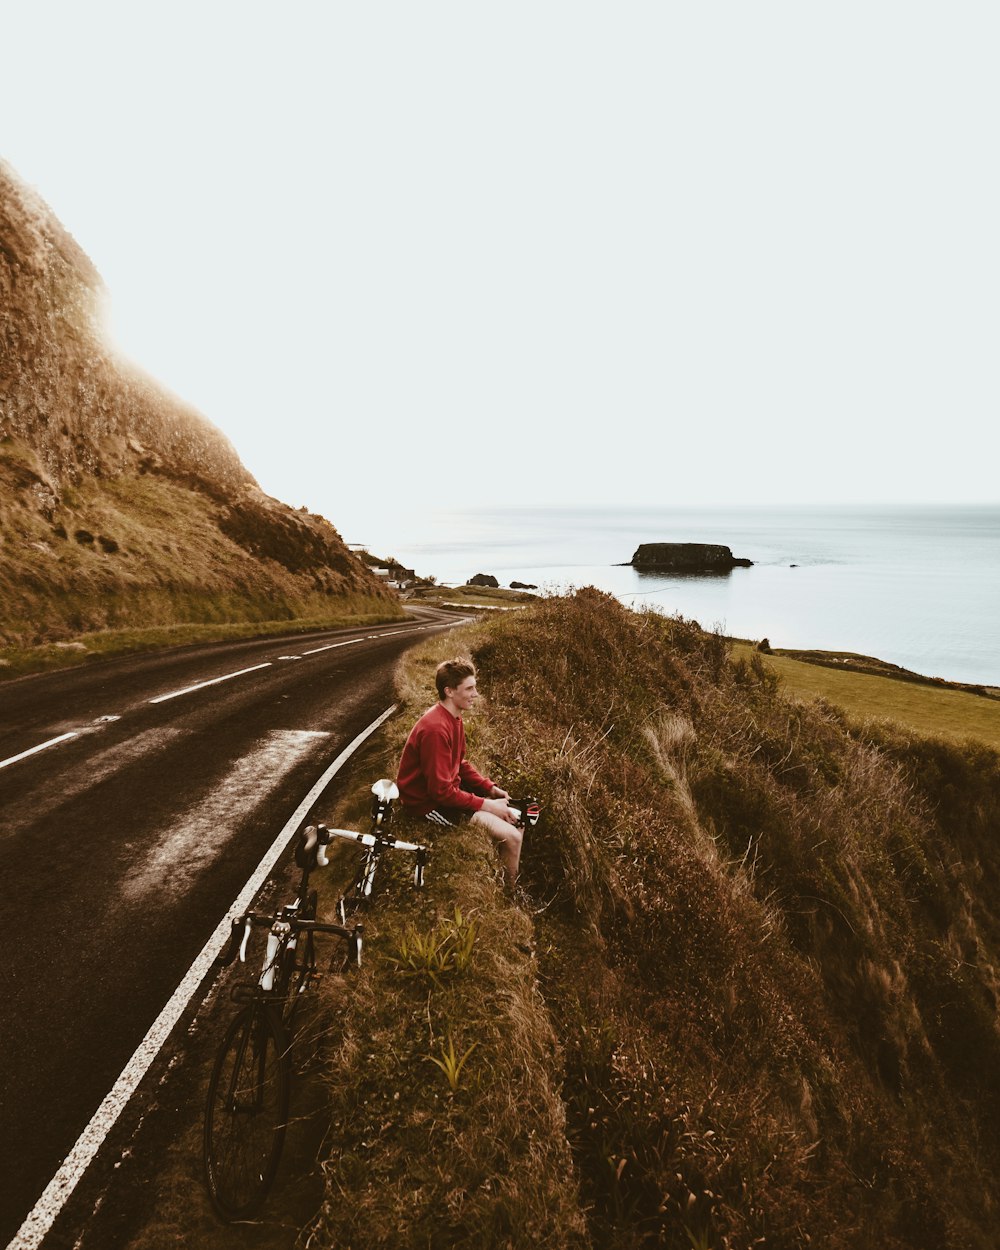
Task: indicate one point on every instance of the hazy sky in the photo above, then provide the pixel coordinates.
(541, 252)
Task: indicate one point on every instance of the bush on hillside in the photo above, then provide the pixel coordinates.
(790, 954)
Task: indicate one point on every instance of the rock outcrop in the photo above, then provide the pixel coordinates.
(686, 558)
(119, 504)
(483, 579)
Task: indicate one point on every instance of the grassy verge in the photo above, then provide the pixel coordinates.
(928, 709)
(447, 1126)
(475, 596)
(104, 644)
(125, 554)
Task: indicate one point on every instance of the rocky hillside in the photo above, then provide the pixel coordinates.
(120, 505)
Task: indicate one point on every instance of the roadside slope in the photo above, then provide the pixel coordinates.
(755, 1001)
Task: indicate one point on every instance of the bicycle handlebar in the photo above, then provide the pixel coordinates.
(527, 810)
(242, 925)
(369, 839)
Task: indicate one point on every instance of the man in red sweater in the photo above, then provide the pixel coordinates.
(435, 779)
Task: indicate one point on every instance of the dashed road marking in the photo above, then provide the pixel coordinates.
(175, 694)
(42, 746)
(330, 646)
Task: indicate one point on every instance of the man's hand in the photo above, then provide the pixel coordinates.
(497, 793)
(498, 807)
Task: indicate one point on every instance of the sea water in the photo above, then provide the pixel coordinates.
(917, 586)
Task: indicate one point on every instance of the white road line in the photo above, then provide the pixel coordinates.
(42, 1216)
(330, 645)
(175, 694)
(413, 629)
(42, 746)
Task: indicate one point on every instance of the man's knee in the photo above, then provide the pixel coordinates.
(498, 828)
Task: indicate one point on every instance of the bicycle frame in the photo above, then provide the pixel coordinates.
(376, 842)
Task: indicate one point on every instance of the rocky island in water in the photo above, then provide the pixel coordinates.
(686, 558)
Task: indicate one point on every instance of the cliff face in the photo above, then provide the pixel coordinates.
(120, 505)
(63, 394)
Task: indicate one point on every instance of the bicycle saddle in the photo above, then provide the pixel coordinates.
(385, 790)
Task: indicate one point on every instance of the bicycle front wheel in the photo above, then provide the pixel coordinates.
(246, 1112)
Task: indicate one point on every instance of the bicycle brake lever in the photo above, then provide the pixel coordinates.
(322, 859)
(246, 939)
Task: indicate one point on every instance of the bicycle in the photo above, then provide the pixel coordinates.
(246, 1110)
(379, 840)
(376, 842)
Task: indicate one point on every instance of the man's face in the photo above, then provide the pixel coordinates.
(464, 694)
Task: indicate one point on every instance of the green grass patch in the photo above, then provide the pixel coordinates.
(474, 596)
(930, 710)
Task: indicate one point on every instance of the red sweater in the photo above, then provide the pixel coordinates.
(433, 770)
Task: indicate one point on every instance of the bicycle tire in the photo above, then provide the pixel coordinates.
(246, 1112)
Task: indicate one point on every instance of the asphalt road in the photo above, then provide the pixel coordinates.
(136, 798)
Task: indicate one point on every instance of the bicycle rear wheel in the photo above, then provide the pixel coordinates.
(246, 1112)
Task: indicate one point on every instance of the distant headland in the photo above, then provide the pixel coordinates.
(686, 558)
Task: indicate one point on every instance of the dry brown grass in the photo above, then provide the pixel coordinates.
(784, 1026)
(144, 551)
(413, 1161)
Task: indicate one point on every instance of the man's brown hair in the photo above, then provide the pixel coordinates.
(451, 673)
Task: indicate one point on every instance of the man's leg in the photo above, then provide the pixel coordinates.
(509, 838)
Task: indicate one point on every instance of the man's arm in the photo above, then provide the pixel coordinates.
(496, 797)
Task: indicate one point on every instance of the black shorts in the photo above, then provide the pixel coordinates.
(448, 816)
